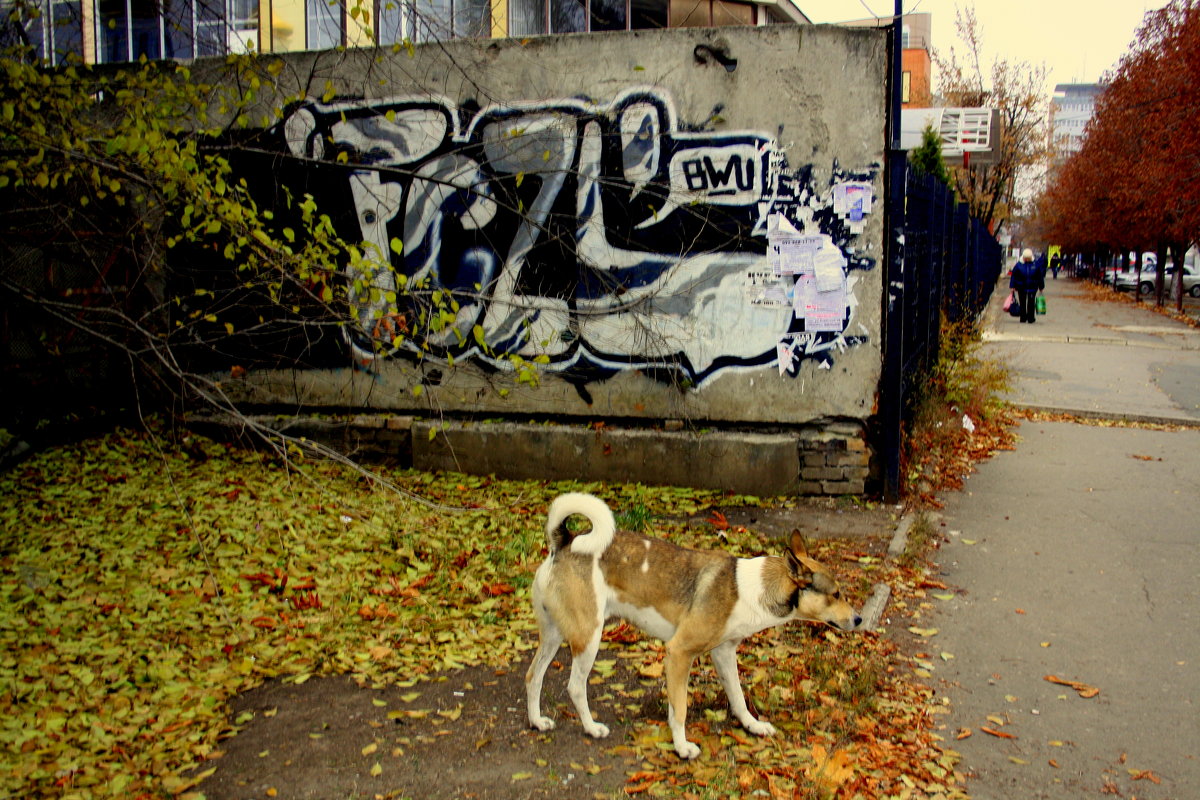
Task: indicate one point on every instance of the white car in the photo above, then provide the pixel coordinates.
(1145, 284)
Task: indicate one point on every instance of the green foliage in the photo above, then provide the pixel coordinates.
(964, 378)
(927, 158)
(960, 415)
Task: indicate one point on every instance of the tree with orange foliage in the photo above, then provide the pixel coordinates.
(1135, 182)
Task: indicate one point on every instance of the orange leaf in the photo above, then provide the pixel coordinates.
(1000, 734)
(421, 582)
(963, 733)
(1145, 775)
(639, 777)
(1083, 689)
(718, 521)
(496, 589)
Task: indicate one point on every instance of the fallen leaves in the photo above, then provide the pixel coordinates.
(129, 623)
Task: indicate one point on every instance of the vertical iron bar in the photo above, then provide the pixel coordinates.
(891, 400)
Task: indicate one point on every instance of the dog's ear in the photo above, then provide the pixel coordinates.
(796, 557)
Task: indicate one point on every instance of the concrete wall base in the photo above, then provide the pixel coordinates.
(833, 459)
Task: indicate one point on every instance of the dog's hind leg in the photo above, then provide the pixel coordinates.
(724, 658)
(550, 639)
(584, 655)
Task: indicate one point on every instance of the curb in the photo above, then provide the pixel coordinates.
(1106, 416)
(876, 604)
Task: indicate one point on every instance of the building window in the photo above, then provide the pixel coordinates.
(323, 21)
(533, 17)
(391, 23)
(437, 20)
(53, 29)
(126, 30)
(708, 13)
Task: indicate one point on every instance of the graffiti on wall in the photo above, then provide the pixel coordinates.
(602, 237)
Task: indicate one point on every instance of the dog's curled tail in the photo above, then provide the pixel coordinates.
(595, 541)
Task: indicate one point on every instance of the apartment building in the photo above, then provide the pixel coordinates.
(1070, 110)
(106, 31)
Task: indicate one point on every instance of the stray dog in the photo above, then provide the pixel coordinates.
(695, 601)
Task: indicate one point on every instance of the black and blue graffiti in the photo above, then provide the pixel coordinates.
(602, 237)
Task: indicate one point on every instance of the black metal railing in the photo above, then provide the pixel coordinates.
(940, 259)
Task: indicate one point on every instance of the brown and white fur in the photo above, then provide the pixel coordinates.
(695, 601)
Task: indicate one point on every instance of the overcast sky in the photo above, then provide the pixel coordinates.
(1078, 40)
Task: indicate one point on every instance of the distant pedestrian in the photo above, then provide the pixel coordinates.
(1055, 264)
(1028, 278)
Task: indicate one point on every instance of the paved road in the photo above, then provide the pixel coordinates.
(1078, 555)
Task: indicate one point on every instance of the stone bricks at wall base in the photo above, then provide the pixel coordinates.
(832, 460)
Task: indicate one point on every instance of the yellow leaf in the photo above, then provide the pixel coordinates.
(521, 776)
(376, 770)
(652, 670)
(371, 748)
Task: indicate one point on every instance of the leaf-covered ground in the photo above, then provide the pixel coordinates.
(146, 587)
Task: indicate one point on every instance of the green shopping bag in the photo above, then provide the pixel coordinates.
(1039, 304)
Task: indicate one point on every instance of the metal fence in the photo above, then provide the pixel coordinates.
(940, 260)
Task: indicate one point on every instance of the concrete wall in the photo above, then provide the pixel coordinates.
(601, 204)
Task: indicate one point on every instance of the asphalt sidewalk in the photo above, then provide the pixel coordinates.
(1108, 360)
(1077, 556)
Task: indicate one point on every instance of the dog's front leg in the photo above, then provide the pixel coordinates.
(678, 663)
(724, 658)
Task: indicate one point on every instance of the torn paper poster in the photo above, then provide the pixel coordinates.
(820, 311)
(829, 268)
(852, 200)
(764, 288)
(793, 255)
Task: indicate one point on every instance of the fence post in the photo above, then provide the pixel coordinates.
(891, 390)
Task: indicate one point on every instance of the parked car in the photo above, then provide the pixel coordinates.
(1145, 284)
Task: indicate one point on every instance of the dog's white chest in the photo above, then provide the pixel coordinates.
(648, 618)
(748, 615)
